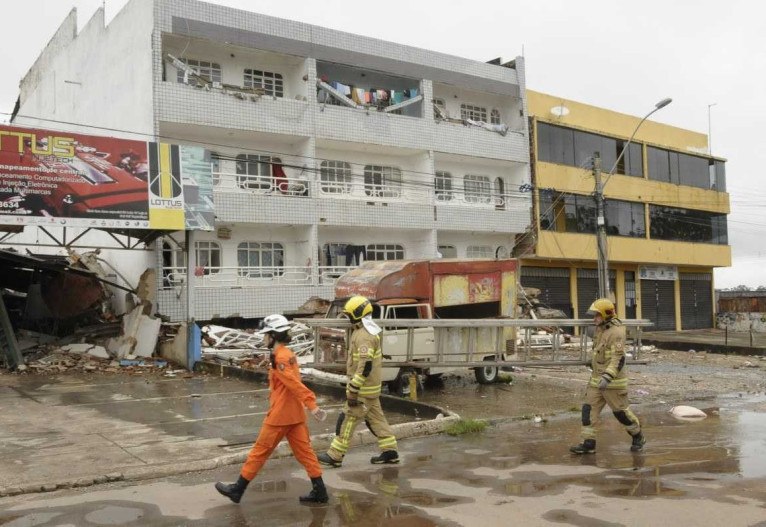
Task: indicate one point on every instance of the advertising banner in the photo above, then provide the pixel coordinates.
(77, 180)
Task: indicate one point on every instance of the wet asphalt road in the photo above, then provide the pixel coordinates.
(710, 472)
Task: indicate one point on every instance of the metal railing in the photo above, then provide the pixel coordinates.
(253, 276)
(230, 182)
(466, 342)
(357, 190)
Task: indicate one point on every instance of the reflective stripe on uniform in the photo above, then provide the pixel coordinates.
(387, 443)
(588, 432)
(367, 391)
(358, 380)
(614, 384)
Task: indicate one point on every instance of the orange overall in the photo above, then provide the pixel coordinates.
(286, 417)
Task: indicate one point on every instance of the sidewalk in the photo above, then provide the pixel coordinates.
(78, 430)
(712, 340)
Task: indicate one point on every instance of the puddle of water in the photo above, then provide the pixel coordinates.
(113, 515)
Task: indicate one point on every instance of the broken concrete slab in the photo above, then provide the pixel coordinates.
(139, 335)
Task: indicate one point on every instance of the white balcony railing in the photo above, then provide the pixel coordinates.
(394, 191)
(253, 276)
(228, 182)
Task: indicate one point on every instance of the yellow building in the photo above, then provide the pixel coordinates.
(666, 207)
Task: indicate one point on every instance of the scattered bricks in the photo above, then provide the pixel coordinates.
(115, 476)
(99, 480)
(83, 482)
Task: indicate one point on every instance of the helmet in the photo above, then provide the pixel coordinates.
(274, 324)
(603, 307)
(357, 308)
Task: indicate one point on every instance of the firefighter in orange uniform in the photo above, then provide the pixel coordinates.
(286, 417)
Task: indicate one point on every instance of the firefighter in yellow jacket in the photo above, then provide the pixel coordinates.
(608, 383)
(363, 367)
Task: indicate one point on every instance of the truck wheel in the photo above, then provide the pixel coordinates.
(401, 385)
(486, 374)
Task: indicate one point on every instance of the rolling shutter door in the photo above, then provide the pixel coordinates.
(553, 285)
(587, 289)
(658, 304)
(696, 302)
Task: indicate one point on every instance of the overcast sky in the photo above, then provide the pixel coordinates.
(618, 55)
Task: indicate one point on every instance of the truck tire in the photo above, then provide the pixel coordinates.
(486, 374)
(401, 385)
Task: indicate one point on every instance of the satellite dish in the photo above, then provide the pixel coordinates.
(560, 111)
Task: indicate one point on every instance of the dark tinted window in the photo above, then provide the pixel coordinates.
(570, 213)
(685, 169)
(668, 223)
(566, 146)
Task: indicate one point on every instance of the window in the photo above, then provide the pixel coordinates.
(254, 171)
(260, 259)
(448, 251)
(669, 223)
(494, 116)
(472, 112)
(335, 177)
(479, 251)
(478, 189)
(577, 213)
(173, 264)
(271, 83)
(208, 256)
(556, 144)
(207, 70)
(382, 182)
(625, 218)
(685, 169)
(442, 107)
(443, 186)
(385, 251)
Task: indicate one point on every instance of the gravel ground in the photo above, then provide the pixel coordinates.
(672, 376)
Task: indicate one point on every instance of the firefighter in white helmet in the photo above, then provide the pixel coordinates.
(608, 384)
(364, 366)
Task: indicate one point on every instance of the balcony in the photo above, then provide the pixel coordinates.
(245, 277)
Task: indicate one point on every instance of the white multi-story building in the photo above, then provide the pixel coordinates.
(306, 184)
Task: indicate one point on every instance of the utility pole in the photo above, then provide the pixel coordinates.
(603, 261)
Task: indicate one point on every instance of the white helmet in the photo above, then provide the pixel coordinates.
(274, 323)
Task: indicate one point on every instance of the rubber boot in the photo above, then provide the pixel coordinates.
(387, 456)
(638, 442)
(233, 491)
(318, 492)
(325, 459)
(588, 446)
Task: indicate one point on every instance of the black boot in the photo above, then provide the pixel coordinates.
(387, 456)
(638, 442)
(318, 492)
(233, 491)
(325, 459)
(588, 446)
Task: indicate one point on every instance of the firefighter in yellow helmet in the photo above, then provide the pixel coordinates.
(608, 383)
(364, 363)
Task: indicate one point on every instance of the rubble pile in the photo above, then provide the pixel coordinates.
(244, 348)
(87, 358)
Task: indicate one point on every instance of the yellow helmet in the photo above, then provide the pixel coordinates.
(603, 307)
(357, 307)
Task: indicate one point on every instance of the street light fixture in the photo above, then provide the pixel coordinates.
(603, 262)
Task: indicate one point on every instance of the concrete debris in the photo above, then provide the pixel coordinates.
(245, 349)
(139, 335)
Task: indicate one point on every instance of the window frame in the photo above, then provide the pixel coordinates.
(375, 250)
(382, 181)
(482, 191)
(473, 112)
(494, 116)
(479, 251)
(443, 189)
(213, 69)
(257, 250)
(335, 176)
(213, 251)
(249, 181)
(272, 83)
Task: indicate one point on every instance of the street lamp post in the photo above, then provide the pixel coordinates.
(603, 260)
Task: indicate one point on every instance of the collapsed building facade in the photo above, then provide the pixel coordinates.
(328, 148)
